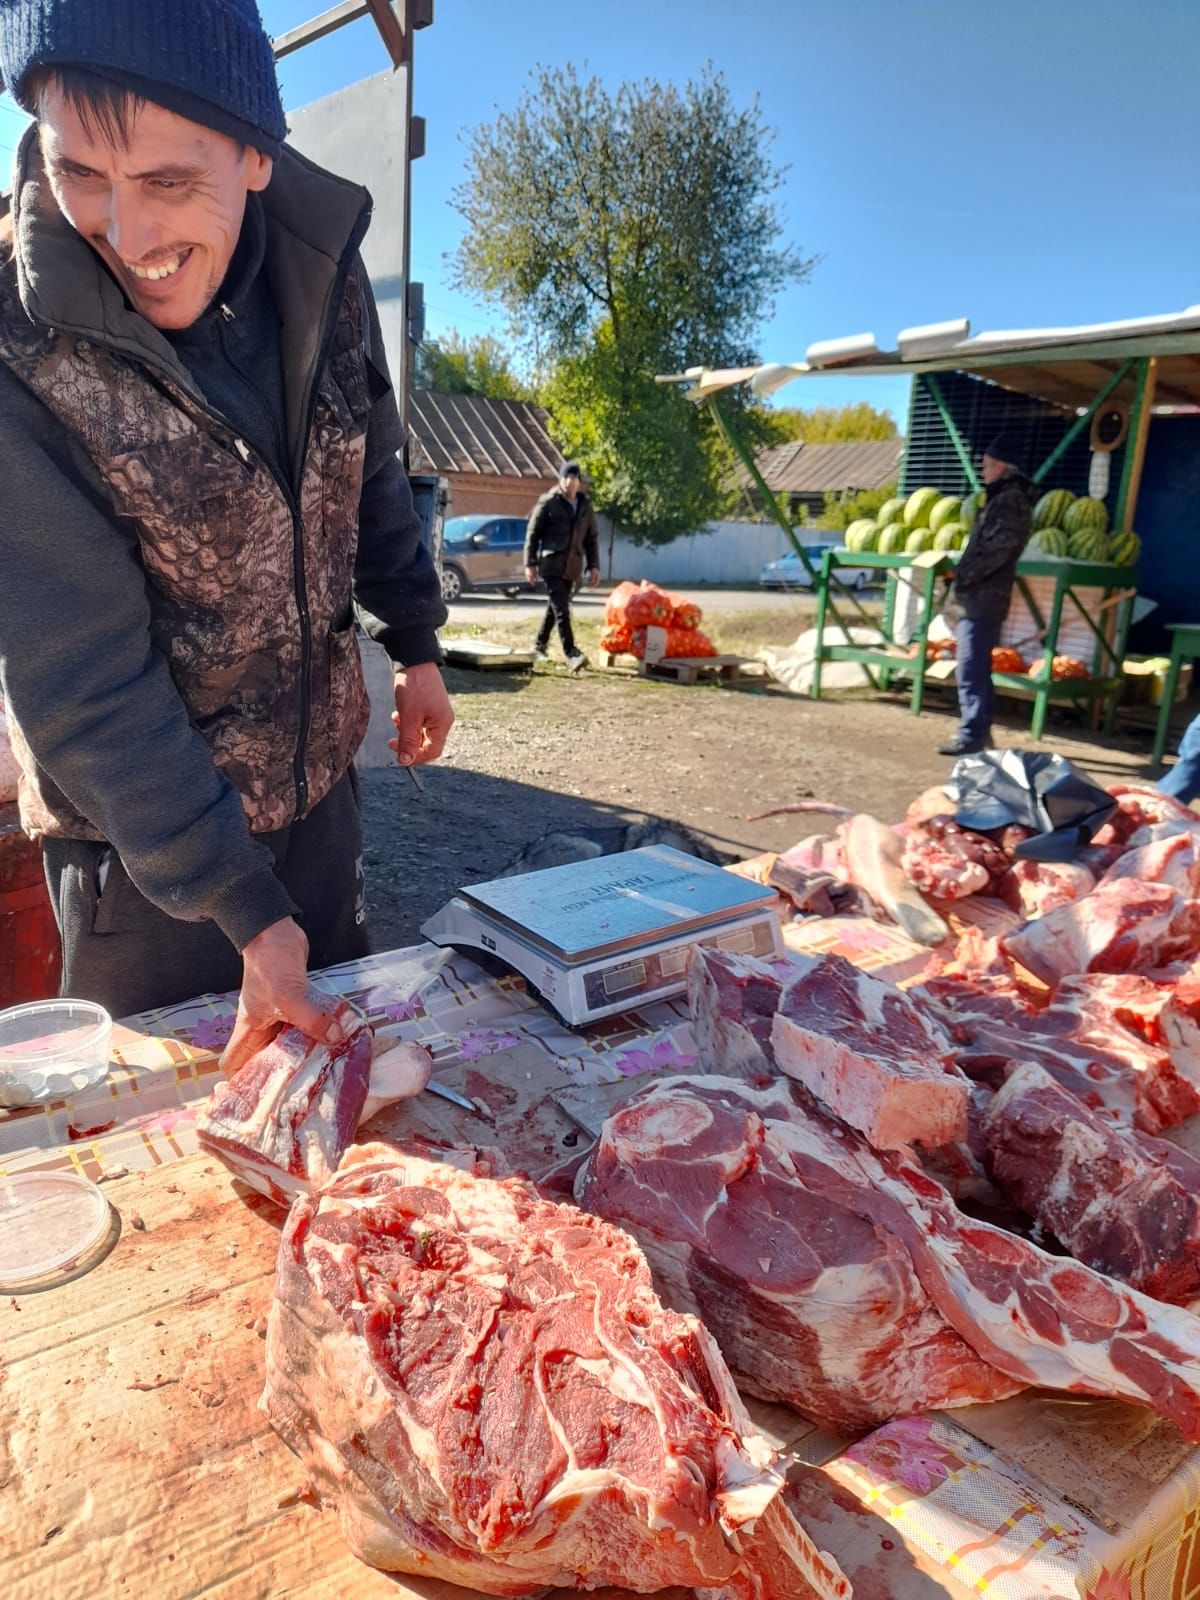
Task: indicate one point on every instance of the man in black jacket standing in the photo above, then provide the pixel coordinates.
(559, 541)
(982, 590)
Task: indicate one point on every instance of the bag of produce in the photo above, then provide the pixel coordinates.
(617, 639)
(617, 605)
(648, 606)
(684, 613)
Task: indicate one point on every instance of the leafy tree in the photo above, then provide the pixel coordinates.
(629, 234)
(832, 424)
(476, 365)
(841, 510)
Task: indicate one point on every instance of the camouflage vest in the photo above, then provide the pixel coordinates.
(249, 590)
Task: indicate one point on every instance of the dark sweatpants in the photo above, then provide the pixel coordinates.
(123, 952)
(558, 611)
(975, 638)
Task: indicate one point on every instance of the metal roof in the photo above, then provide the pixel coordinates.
(799, 468)
(1063, 365)
(466, 433)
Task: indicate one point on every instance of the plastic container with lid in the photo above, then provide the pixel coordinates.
(50, 1224)
(51, 1049)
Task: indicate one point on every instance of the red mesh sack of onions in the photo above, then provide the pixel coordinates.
(617, 640)
(616, 610)
(686, 613)
(648, 607)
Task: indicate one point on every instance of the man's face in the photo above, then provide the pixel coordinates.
(163, 211)
(992, 469)
(569, 486)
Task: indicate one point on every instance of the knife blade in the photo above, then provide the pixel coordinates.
(416, 778)
(445, 1092)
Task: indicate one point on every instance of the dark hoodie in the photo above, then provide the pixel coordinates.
(988, 567)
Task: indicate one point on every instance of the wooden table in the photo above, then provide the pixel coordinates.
(1185, 646)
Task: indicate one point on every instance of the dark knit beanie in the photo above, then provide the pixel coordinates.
(1005, 447)
(207, 60)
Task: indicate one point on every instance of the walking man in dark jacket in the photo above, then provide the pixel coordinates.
(201, 490)
(559, 541)
(982, 589)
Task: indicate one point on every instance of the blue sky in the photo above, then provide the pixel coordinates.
(1019, 162)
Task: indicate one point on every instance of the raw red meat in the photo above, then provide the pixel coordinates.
(1172, 858)
(733, 1000)
(976, 965)
(863, 1049)
(1080, 1043)
(1122, 926)
(1036, 1318)
(751, 1213)
(951, 862)
(485, 1385)
(283, 1120)
(1036, 887)
(1127, 1206)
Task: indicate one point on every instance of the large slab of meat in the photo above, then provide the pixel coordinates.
(1123, 925)
(1082, 1039)
(752, 1216)
(878, 1061)
(1125, 1205)
(284, 1119)
(733, 1000)
(1035, 1318)
(486, 1386)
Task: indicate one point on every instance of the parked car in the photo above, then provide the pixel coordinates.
(789, 571)
(483, 552)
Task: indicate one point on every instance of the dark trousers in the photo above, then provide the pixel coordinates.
(558, 612)
(976, 639)
(123, 952)
(1183, 780)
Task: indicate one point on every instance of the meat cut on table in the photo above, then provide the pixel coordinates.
(284, 1119)
(1121, 1203)
(733, 1001)
(863, 1049)
(1036, 1319)
(752, 1216)
(486, 1386)
(1123, 925)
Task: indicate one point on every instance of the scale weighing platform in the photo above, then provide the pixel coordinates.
(598, 937)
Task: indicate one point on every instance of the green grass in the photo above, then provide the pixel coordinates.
(733, 632)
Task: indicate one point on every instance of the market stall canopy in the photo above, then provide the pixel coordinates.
(1065, 366)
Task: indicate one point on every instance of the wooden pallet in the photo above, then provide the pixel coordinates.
(479, 655)
(697, 669)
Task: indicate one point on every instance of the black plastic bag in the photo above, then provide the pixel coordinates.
(999, 787)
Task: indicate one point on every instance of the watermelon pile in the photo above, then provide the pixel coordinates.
(1065, 527)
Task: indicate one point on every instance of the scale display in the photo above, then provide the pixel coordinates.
(598, 937)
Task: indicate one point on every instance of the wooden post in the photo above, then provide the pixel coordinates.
(1135, 450)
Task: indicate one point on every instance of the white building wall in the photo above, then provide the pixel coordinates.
(727, 552)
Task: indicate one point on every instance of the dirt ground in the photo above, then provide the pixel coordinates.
(533, 753)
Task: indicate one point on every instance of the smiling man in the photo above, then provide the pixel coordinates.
(201, 490)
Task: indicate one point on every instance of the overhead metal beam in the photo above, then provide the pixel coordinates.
(385, 19)
(328, 22)
(390, 31)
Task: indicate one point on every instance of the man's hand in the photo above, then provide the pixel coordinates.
(275, 992)
(594, 576)
(531, 574)
(423, 715)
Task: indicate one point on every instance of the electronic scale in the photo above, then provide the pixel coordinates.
(597, 937)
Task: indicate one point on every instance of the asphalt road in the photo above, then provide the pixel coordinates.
(495, 608)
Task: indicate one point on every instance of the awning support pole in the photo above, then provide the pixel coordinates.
(956, 438)
(746, 456)
(1135, 449)
(1081, 422)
